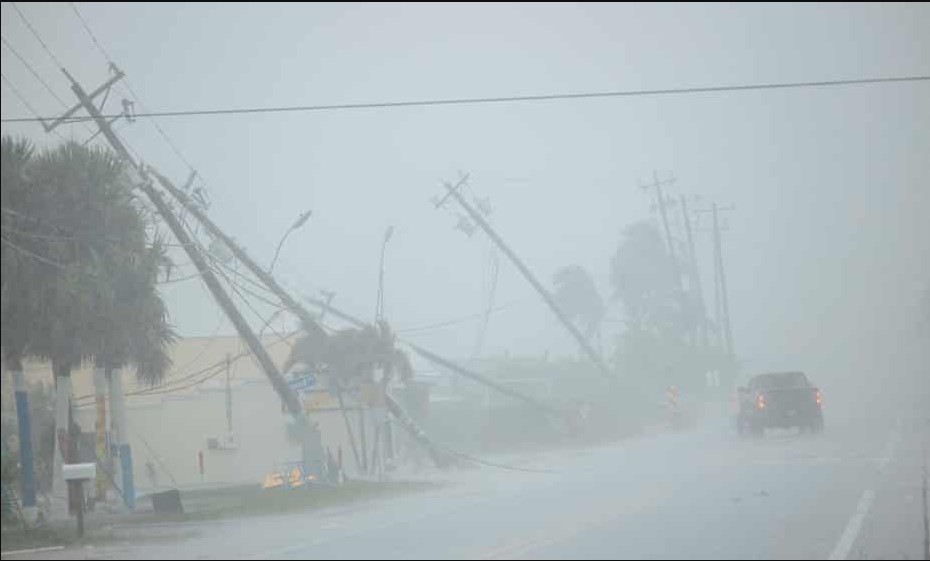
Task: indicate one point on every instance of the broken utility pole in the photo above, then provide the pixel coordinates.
(453, 192)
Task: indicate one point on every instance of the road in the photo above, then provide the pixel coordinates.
(851, 493)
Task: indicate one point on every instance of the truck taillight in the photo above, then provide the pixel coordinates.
(760, 401)
(819, 397)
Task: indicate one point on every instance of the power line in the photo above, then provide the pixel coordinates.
(132, 93)
(42, 81)
(220, 268)
(180, 279)
(465, 319)
(89, 32)
(509, 99)
(172, 386)
(32, 71)
(118, 245)
(176, 389)
(235, 288)
(251, 292)
(37, 36)
(22, 99)
(36, 256)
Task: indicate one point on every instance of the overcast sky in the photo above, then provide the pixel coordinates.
(826, 251)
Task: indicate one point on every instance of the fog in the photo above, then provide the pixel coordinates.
(826, 250)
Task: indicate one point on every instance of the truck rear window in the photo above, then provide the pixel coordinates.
(781, 380)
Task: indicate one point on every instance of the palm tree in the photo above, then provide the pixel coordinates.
(101, 303)
(642, 278)
(130, 328)
(17, 296)
(348, 361)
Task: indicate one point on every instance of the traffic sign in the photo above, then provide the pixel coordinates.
(303, 383)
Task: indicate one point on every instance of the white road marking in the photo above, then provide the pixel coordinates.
(851, 532)
(841, 550)
(31, 551)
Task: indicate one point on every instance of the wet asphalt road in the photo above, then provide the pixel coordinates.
(850, 493)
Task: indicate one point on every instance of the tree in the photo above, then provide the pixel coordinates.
(91, 278)
(577, 296)
(131, 322)
(349, 359)
(17, 295)
(642, 277)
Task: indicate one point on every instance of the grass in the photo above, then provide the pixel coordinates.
(252, 500)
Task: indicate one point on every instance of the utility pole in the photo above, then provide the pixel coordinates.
(663, 213)
(177, 229)
(724, 299)
(696, 285)
(305, 316)
(288, 302)
(474, 215)
(229, 413)
(720, 285)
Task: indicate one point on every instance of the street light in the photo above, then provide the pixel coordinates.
(301, 220)
(379, 306)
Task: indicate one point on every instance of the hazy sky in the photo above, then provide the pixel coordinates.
(829, 244)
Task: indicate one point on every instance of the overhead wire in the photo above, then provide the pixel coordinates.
(38, 37)
(125, 82)
(26, 104)
(517, 98)
(33, 71)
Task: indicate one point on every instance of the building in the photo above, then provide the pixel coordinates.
(215, 419)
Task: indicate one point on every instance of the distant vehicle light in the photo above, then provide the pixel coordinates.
(760, 401)
(819, 398)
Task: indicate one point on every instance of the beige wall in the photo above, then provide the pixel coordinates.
(170, 424)
(172, 432)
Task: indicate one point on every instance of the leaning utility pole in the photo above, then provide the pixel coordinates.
(696, 285)
(305, 316)
(325, 306)
(289, 302)
(453, 191)
(180, 233)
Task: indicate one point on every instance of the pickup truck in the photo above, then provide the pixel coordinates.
(779, 400)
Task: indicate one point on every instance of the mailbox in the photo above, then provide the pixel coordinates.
(79, 472)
